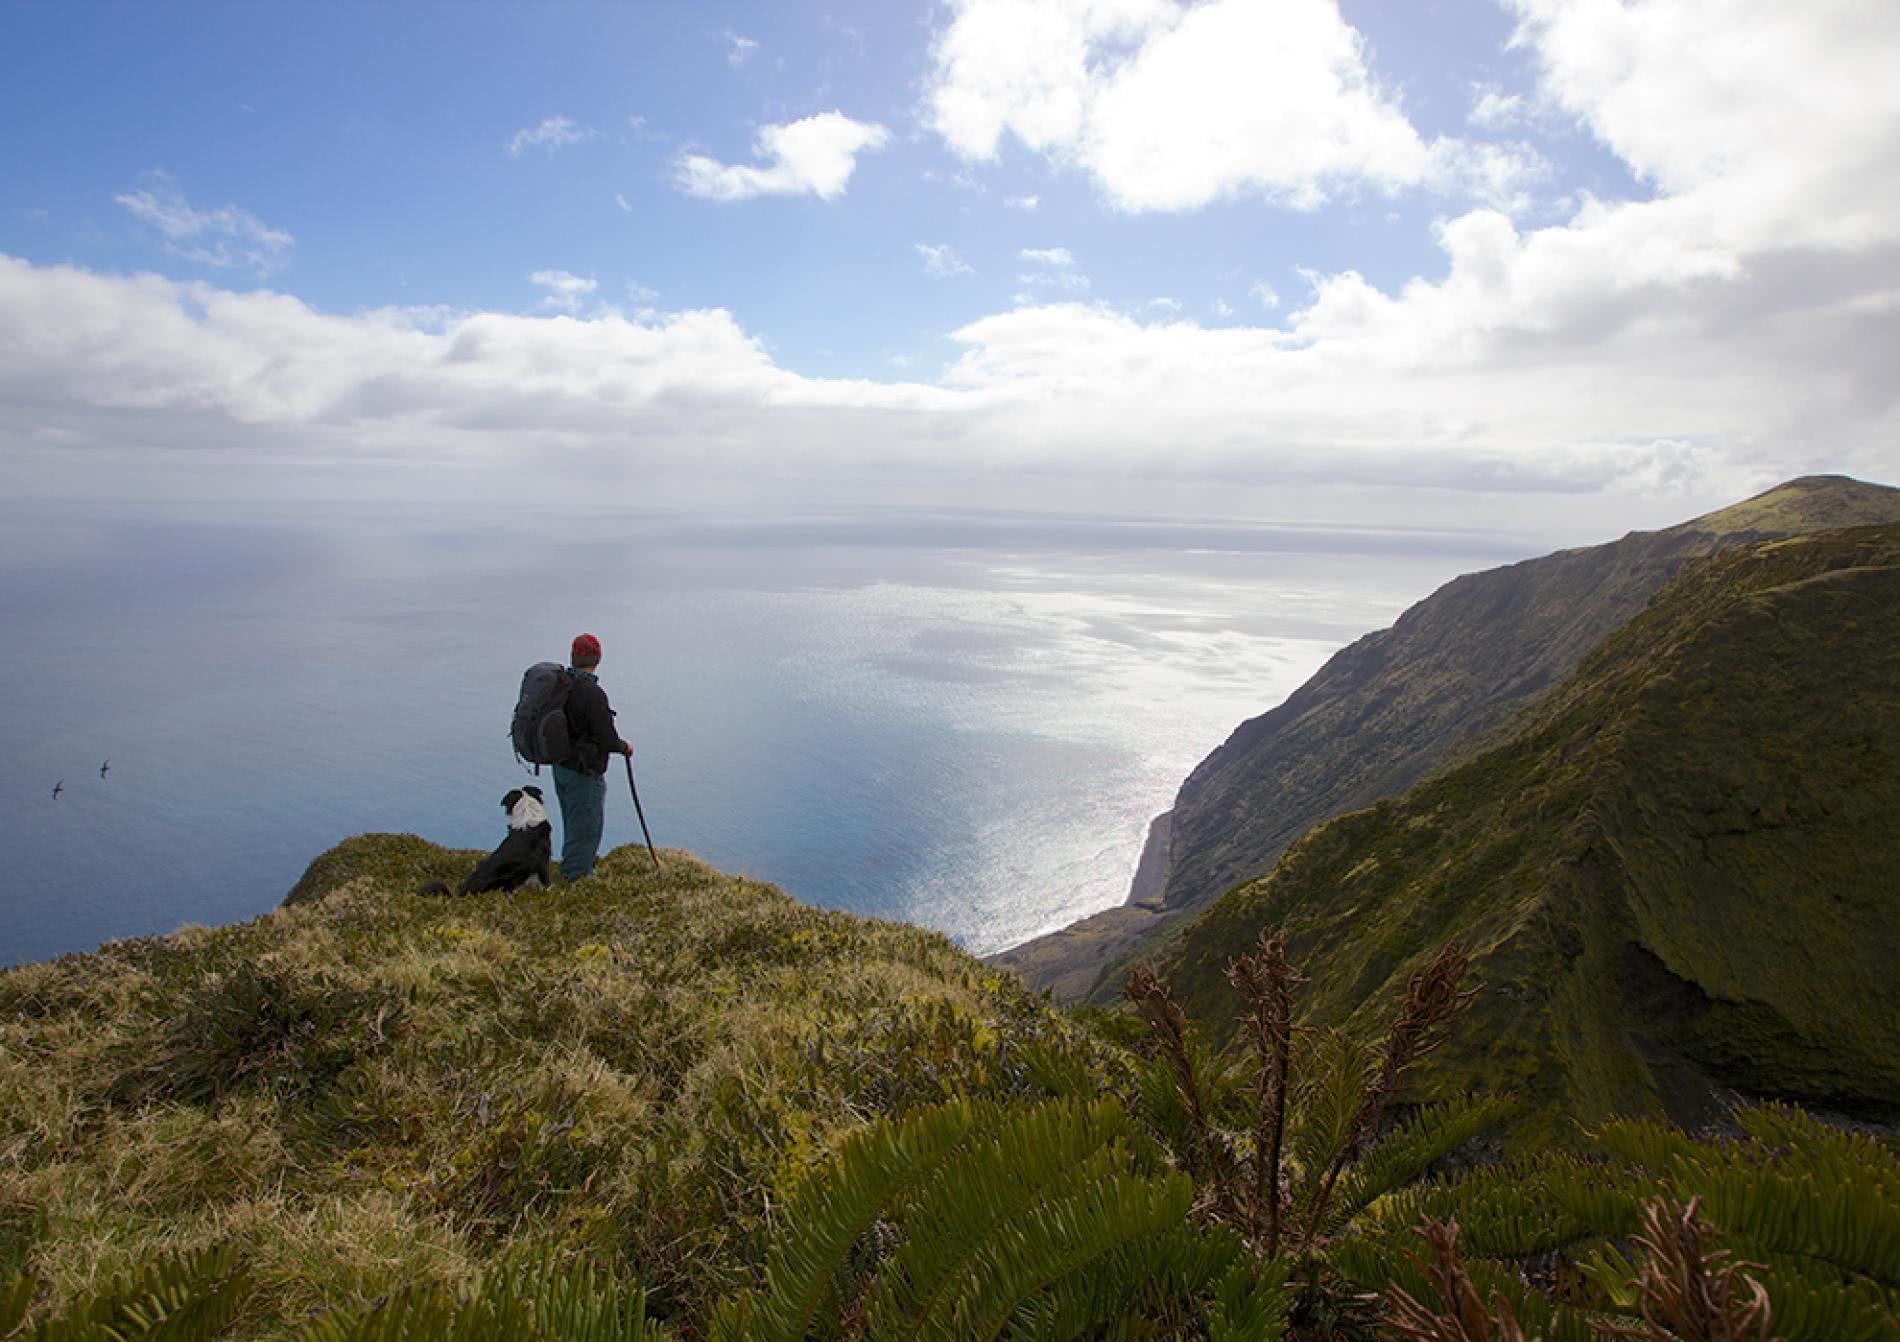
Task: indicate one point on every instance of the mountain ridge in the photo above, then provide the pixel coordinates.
(1397, 704)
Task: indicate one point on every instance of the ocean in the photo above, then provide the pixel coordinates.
(964, 720)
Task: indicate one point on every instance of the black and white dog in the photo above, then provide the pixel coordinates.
(523, 857)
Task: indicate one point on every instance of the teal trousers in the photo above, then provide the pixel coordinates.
(583, 798)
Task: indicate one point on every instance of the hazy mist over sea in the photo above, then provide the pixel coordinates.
(964, 720)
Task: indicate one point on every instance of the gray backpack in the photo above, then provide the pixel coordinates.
(540, 726)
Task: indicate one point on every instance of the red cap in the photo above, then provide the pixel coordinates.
(586, 650)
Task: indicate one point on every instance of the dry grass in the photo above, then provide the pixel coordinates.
(368, 1090)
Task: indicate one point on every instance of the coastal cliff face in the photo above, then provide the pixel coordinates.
(1678, 879)
(1389, 710)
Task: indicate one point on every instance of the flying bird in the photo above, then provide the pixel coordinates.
(58, 788)
(104, 767)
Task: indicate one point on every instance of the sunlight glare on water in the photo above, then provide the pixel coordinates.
(966, 721)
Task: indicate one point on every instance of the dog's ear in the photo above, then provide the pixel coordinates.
(508, 802)
(533, 791)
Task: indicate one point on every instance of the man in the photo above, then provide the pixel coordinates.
(581, 783)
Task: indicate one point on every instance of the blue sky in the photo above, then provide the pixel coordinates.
(1361, 248)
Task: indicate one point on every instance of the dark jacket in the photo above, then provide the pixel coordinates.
(590, 725)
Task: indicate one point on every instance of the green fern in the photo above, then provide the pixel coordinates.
(1055, 1239)
(1810, 1209)
(1029, 1156)
(1407, 1151)
(979, 1221)
(190, 1297)
(537, 1301)
(832, 1210)
(1159, 1279)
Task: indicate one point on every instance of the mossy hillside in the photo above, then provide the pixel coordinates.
(1450, 676)
(367, 1089)
(1679, 877)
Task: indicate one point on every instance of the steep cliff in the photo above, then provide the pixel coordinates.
(1679, 878)
(1398, 704)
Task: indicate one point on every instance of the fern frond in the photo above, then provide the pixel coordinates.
(1847, 1224)
(1251, 1304)
(1647, 1143)
(190, 1297)
(574, 1303)
(1818, 1311)
(1403, 1154)
(1514, 1210)
(1155, 1276)
(1390, 1262)
(1792, 1135)
(1029, 1156)
(828, 1214)
(537, 1301)
(425, 1313)
(1602, 1201)
(1163, 1110)
(1810, 1302)
(1333, 1075)
(1049, 1242)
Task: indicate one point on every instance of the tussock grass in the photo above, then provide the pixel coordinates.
(364, 1090)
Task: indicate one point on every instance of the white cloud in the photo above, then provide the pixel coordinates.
(642, 295)
(1498, 175)
(226, 236)
(625, 205)
(1024, 203)
(1063, 276)
(814, 156)
(1426, 390)
(267, 358)
(551, 134)
(1496, 110)
(1172, 106)
(1269, 296)
(1734, 327)
(1786, 119)
(739, 49)
(564, 291)
(940, 259)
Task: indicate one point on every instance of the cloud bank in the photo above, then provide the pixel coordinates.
(1733, 327)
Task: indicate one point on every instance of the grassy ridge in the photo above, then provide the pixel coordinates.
(368, 1089)
(1678, 877)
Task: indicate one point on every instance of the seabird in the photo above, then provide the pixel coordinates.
(58, 787)
(104, 767)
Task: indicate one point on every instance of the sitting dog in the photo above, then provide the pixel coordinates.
(523, 857)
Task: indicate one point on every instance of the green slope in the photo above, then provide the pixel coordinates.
(366, 1089)
(1680, 877)
(1393, 707)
